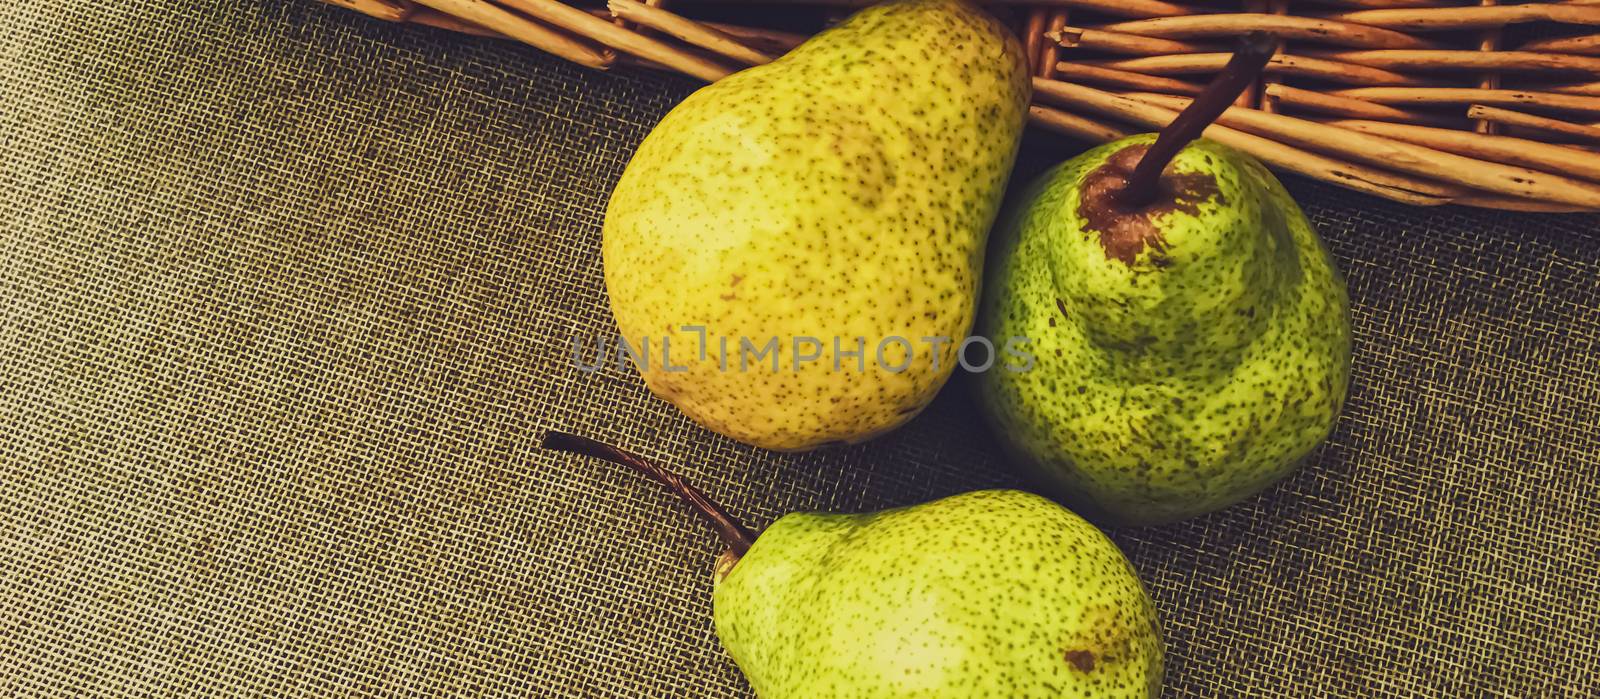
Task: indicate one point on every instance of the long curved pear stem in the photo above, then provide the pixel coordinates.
(734, 534)
(1240, 73)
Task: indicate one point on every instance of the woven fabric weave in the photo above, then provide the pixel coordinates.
(287, 297)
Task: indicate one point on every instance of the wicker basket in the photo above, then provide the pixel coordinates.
(1421, 101)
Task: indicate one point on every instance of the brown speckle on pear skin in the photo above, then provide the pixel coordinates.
(1126, 232)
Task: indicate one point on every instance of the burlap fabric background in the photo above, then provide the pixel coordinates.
(286, 298)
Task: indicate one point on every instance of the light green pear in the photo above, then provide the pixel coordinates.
(788, 216)
(996, 593)
(1192, 347)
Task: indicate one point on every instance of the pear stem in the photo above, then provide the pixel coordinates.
(1240, 73)
(733, 534)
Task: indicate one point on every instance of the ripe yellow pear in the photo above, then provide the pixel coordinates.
(835, 200)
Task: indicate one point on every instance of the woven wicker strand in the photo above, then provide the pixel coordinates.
(1420, 101)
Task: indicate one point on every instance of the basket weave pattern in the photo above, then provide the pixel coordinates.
(1421, 101)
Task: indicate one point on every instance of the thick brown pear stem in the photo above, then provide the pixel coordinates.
(1240, 73)
(733, 534)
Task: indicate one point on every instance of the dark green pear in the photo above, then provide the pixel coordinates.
(995, 593)
(1191, 333)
